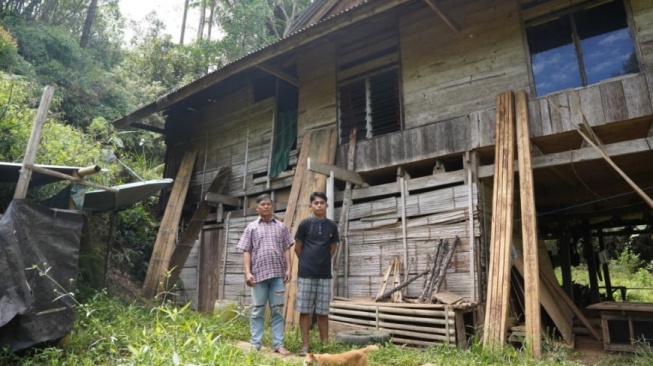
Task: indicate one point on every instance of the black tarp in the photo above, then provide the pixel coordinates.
(32, 234)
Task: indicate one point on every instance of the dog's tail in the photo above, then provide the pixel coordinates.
(370, 348)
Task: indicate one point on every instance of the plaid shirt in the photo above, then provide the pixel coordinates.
(266, 241)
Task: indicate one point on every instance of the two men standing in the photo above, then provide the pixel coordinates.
(266, 246)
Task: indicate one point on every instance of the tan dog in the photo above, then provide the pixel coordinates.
(357, 357)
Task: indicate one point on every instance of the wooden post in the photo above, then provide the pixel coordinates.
(107, 255)
(33, 143)
(330, 196)
(529, 229)
(606, 270)
(165, 239)
(344, 215)
(404, 224)
(588, 253)
(564, 253)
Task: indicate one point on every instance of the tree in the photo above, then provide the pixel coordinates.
(183, 22)
(88, 23)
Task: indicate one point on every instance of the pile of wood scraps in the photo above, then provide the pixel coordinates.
(435, 276)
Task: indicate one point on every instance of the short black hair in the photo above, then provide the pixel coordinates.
(263, 197)
(321, 195)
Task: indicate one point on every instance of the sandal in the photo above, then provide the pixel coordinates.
(303, 352)
(282, 351)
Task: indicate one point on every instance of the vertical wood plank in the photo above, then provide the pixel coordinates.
(545, 111)
(591, 105)
(636, 95)
(529, 228)
(614, 104)
(535, 118)
(494, 333)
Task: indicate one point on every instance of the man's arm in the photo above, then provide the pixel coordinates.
(288, 275)
(332, 249)
(298, 248)
(247, 264)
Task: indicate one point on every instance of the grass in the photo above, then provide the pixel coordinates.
(626, 270)
(109, 332)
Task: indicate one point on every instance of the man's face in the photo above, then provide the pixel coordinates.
(264, 208)
(319, 206)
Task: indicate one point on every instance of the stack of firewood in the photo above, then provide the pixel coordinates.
(435, 276)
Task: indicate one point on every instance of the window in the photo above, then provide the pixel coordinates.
(581, 46)
(370, 105)
(368, 85)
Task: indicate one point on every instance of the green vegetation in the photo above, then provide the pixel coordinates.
(108, 332)
(626, 270)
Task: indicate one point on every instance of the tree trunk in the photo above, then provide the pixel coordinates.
(183, 23)
(200, 29)
(88, 23)
(210, 20)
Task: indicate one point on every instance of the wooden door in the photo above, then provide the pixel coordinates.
(210, 260)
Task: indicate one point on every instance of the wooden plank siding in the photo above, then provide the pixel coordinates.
(448, 84)
(608, 102)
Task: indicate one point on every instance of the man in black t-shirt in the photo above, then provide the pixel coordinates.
(315, 243)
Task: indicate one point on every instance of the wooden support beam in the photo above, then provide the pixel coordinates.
(581, 155)
(279, 73)
(529, 229)
(343, 221)
(77, 180)
(320, 145)
(214, 199)
(182, 249)
(339, 173)
(33, 143)
(442, 15)
(165, 239)
(586, 132)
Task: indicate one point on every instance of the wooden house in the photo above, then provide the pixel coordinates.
(418, 81)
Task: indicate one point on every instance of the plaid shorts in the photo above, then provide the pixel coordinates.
(313, 294)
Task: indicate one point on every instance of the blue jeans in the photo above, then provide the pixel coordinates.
(273, 291)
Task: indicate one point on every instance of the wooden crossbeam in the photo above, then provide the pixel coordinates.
(279, 73)
(77, 180)
(445, 18)
(214, 199)
(339, 173)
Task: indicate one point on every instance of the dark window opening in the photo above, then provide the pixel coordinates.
(285, 128)
(264, 88)
(370, 105)
(580, 48)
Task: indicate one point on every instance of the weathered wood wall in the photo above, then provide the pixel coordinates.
(317, 93)
(448, 74)
(237, 138)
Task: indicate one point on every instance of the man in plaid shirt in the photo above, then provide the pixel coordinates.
(266, 246)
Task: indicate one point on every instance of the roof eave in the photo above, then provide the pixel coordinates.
(284, 45)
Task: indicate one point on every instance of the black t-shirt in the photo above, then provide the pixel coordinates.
(316, 237)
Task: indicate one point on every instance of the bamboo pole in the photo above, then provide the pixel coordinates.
(395, 289)
(89, 170)
(33, 143)
(81, 181)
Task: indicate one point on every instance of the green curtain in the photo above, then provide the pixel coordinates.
(285, 134)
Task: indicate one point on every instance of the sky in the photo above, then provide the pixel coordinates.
(169, 11)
